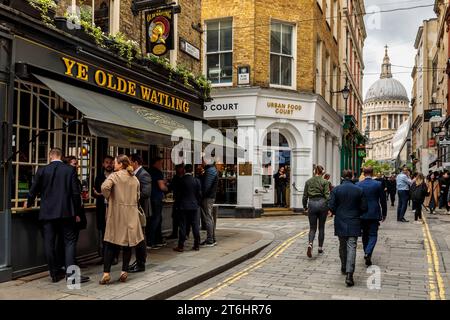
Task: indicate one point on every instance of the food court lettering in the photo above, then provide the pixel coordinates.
(283, 108)
(122, 85)
(222, 107)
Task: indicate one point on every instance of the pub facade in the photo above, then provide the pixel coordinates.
(61, 88)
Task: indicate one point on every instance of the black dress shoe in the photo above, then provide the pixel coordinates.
(57, 278)
(368, 260)
(83, 279)
(349, 280)
(344, 271)
(133, 265)
(404, 220)
(136, 268)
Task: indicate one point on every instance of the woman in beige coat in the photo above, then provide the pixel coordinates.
(123, 227)
(433, 193)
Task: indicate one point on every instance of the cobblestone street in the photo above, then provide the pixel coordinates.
(412, 260)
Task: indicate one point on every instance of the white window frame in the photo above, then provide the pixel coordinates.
(293, 85)
(335, 19)
(328, 13)
(205, 55)
(328, 78)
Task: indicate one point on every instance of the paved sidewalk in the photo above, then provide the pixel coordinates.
(167, 272)
(403, 260)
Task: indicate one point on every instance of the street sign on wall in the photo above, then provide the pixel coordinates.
(428, 114)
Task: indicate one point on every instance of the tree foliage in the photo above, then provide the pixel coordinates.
(379, 167)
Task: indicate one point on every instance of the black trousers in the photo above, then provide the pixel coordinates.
(392, 196)
(66, 228)
(141, 252)
(418, 208)
(189, 218)
(281, 195)
(111, 251)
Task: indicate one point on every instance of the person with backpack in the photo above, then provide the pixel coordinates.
(419, 191)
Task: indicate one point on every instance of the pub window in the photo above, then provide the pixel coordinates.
(117, 148)
(219, 51)
(281, 54)
(31, 117)
(101, 16)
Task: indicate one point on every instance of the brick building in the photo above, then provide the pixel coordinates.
(276, 66)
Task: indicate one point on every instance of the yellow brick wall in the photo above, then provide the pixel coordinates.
(251, 35)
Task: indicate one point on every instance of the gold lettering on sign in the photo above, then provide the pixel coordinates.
(284, 109)
(69, 66)
(122, 85)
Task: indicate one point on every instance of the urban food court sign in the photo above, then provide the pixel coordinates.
(122, 85)
(283, 108)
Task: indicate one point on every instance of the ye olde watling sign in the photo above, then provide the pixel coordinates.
(159, 31)
(122, 85)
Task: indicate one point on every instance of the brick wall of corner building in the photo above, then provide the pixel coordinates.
(251, 35)
(129, 24)
(243, 14)
(190, 14)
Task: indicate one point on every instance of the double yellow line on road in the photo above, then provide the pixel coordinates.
(237, 276)
(436, 284)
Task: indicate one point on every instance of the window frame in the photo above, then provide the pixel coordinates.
(206, 53)
(293, 57)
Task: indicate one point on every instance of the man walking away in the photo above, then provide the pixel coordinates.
(159, 186)
(376, 212)
(100, 201)
(347, 203)
(145, 190)
(403, 186)
(391, 189)
(190, 197)
(58, 186)
(210, 179)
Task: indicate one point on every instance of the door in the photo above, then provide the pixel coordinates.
(268, 170)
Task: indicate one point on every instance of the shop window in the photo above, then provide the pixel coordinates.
(281, 54)
(219, 51)
(31, 119)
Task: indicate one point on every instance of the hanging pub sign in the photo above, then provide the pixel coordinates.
(159, 30)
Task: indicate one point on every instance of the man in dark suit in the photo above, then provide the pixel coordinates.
(57, 185)
(347, 203)
(145, 183)
(376, 212)
(100, 202)
(190, 197)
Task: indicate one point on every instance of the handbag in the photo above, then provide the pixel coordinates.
(142, 217)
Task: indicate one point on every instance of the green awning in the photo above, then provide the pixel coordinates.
(126, 121)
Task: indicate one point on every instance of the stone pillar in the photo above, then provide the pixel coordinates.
(329, 154)
(336, 162)
(246, 185)
(321, 149)
(302, 159)
(315, 141)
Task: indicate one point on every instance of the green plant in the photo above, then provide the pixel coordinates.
(188, 77)
(127, 49)
(44, 6)
(84, 20)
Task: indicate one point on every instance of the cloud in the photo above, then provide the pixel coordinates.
(396, 29)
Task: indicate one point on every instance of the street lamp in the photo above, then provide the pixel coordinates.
(345, 93)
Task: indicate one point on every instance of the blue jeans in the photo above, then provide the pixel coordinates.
(403, 197)
(369, 235)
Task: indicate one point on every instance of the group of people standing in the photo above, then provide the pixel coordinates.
(129, 204)
(358, 208)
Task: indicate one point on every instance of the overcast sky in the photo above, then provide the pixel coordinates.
(396, 29)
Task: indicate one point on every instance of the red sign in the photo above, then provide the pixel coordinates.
(431, 143)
